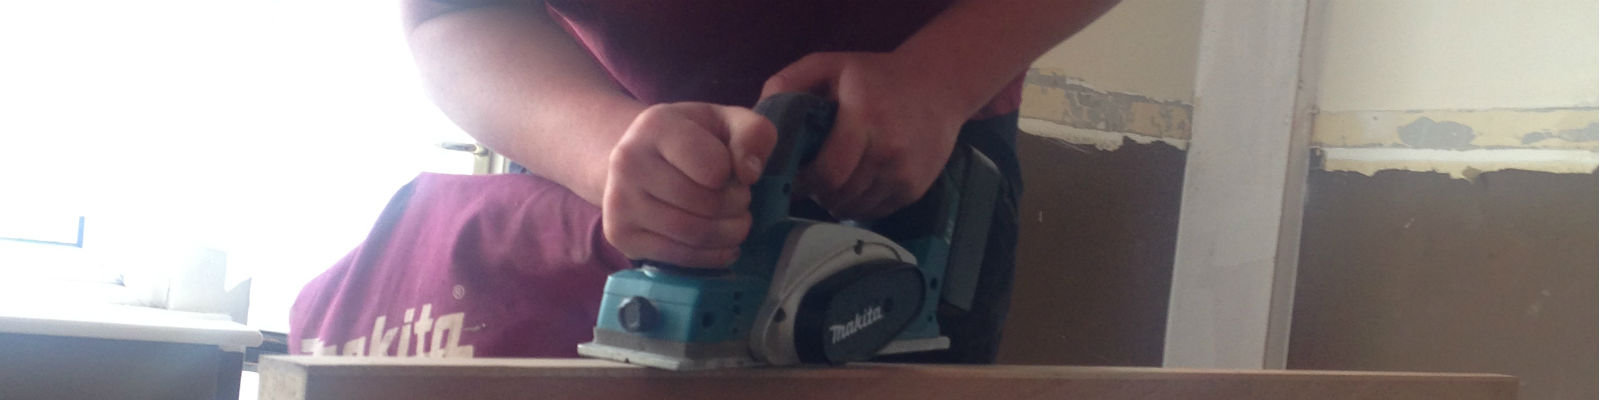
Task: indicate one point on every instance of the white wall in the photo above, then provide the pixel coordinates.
(1143, 47)
(1128, 76)
(1458, 54)
(1481, 85)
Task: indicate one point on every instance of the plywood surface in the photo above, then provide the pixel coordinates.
(391, 378)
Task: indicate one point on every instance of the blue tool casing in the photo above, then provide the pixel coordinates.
(719, 307)
(685, 318)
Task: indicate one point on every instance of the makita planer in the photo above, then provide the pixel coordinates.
(804, 290)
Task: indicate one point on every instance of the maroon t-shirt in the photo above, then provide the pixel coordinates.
(723, 51)
(514, 265)
(462, 266)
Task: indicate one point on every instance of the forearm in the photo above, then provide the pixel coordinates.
(974, 48)
(514, 80)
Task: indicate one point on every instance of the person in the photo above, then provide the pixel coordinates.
(632, 120)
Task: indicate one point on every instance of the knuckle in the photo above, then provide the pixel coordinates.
(899, 199)
(729, 232)
(610, 229)
(845, 63)
(720, 233)
(698, 208)
(747, 126)
(820, 56)
(813, 57)
(705, 204)
(777, 81)
(611, 207)
(619, 237)
(833, 180)
(699, 233)
(708, 174)
(739, 227)
(891, 147)
(714, 258)
(904, 176)
(683, 226)
(646, 119)
(630, 152)
(657, 112)
(784, 80)
(738, 200)
(727, 257)
(623, 160)
(653, 120)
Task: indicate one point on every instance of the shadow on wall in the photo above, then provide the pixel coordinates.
(1094, 258)
(1401, 271)
(1414, 271)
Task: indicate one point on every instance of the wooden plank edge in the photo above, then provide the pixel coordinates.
(556, 367)
(487, 378)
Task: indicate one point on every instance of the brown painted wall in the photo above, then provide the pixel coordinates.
(1420, 272)
(1398, 271)
(1094, 258)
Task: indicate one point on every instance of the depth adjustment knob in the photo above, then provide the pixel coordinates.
(637, 314)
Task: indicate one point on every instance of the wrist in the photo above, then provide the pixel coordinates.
(572, 145)
(615, 116)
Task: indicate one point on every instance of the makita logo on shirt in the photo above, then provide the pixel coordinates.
(863, 319)
(434, 337)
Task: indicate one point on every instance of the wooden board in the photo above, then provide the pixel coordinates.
(303, 377)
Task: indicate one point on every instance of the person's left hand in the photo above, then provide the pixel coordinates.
(894, 131)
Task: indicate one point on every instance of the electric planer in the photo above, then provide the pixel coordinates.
(807, 290)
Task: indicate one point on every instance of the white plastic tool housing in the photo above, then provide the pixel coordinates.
(812, 252)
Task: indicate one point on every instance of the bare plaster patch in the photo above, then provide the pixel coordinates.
(1459, 164)
(1424, 133)
(1461, 143)
(1571, 129)
(1051, 96)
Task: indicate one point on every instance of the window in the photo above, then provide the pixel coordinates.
(271, 132)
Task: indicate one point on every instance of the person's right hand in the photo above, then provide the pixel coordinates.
(678, 184)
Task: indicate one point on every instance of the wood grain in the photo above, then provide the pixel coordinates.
(487, 378)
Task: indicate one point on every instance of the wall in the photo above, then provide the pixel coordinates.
(1450, 217)
(1144, 47)
(1129, 75)
(1458, 87)
(1105, 117)
(1458, 54)
(1409, 271)
(1449, 221)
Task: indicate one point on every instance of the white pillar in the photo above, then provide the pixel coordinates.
(1244, 179)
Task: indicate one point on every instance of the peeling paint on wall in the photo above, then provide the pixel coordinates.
(1467, 164)
(1051, 96)
(1068, 109)
(1424, 133)
(1459, 130)
(1101, 140)
(1461, 144)
(1588, 133)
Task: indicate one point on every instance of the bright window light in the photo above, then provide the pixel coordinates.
(272, 130)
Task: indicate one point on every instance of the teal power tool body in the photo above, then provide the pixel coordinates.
(804, 290)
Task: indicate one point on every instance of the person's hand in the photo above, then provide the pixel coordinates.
(678, 185)
(894, 131)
